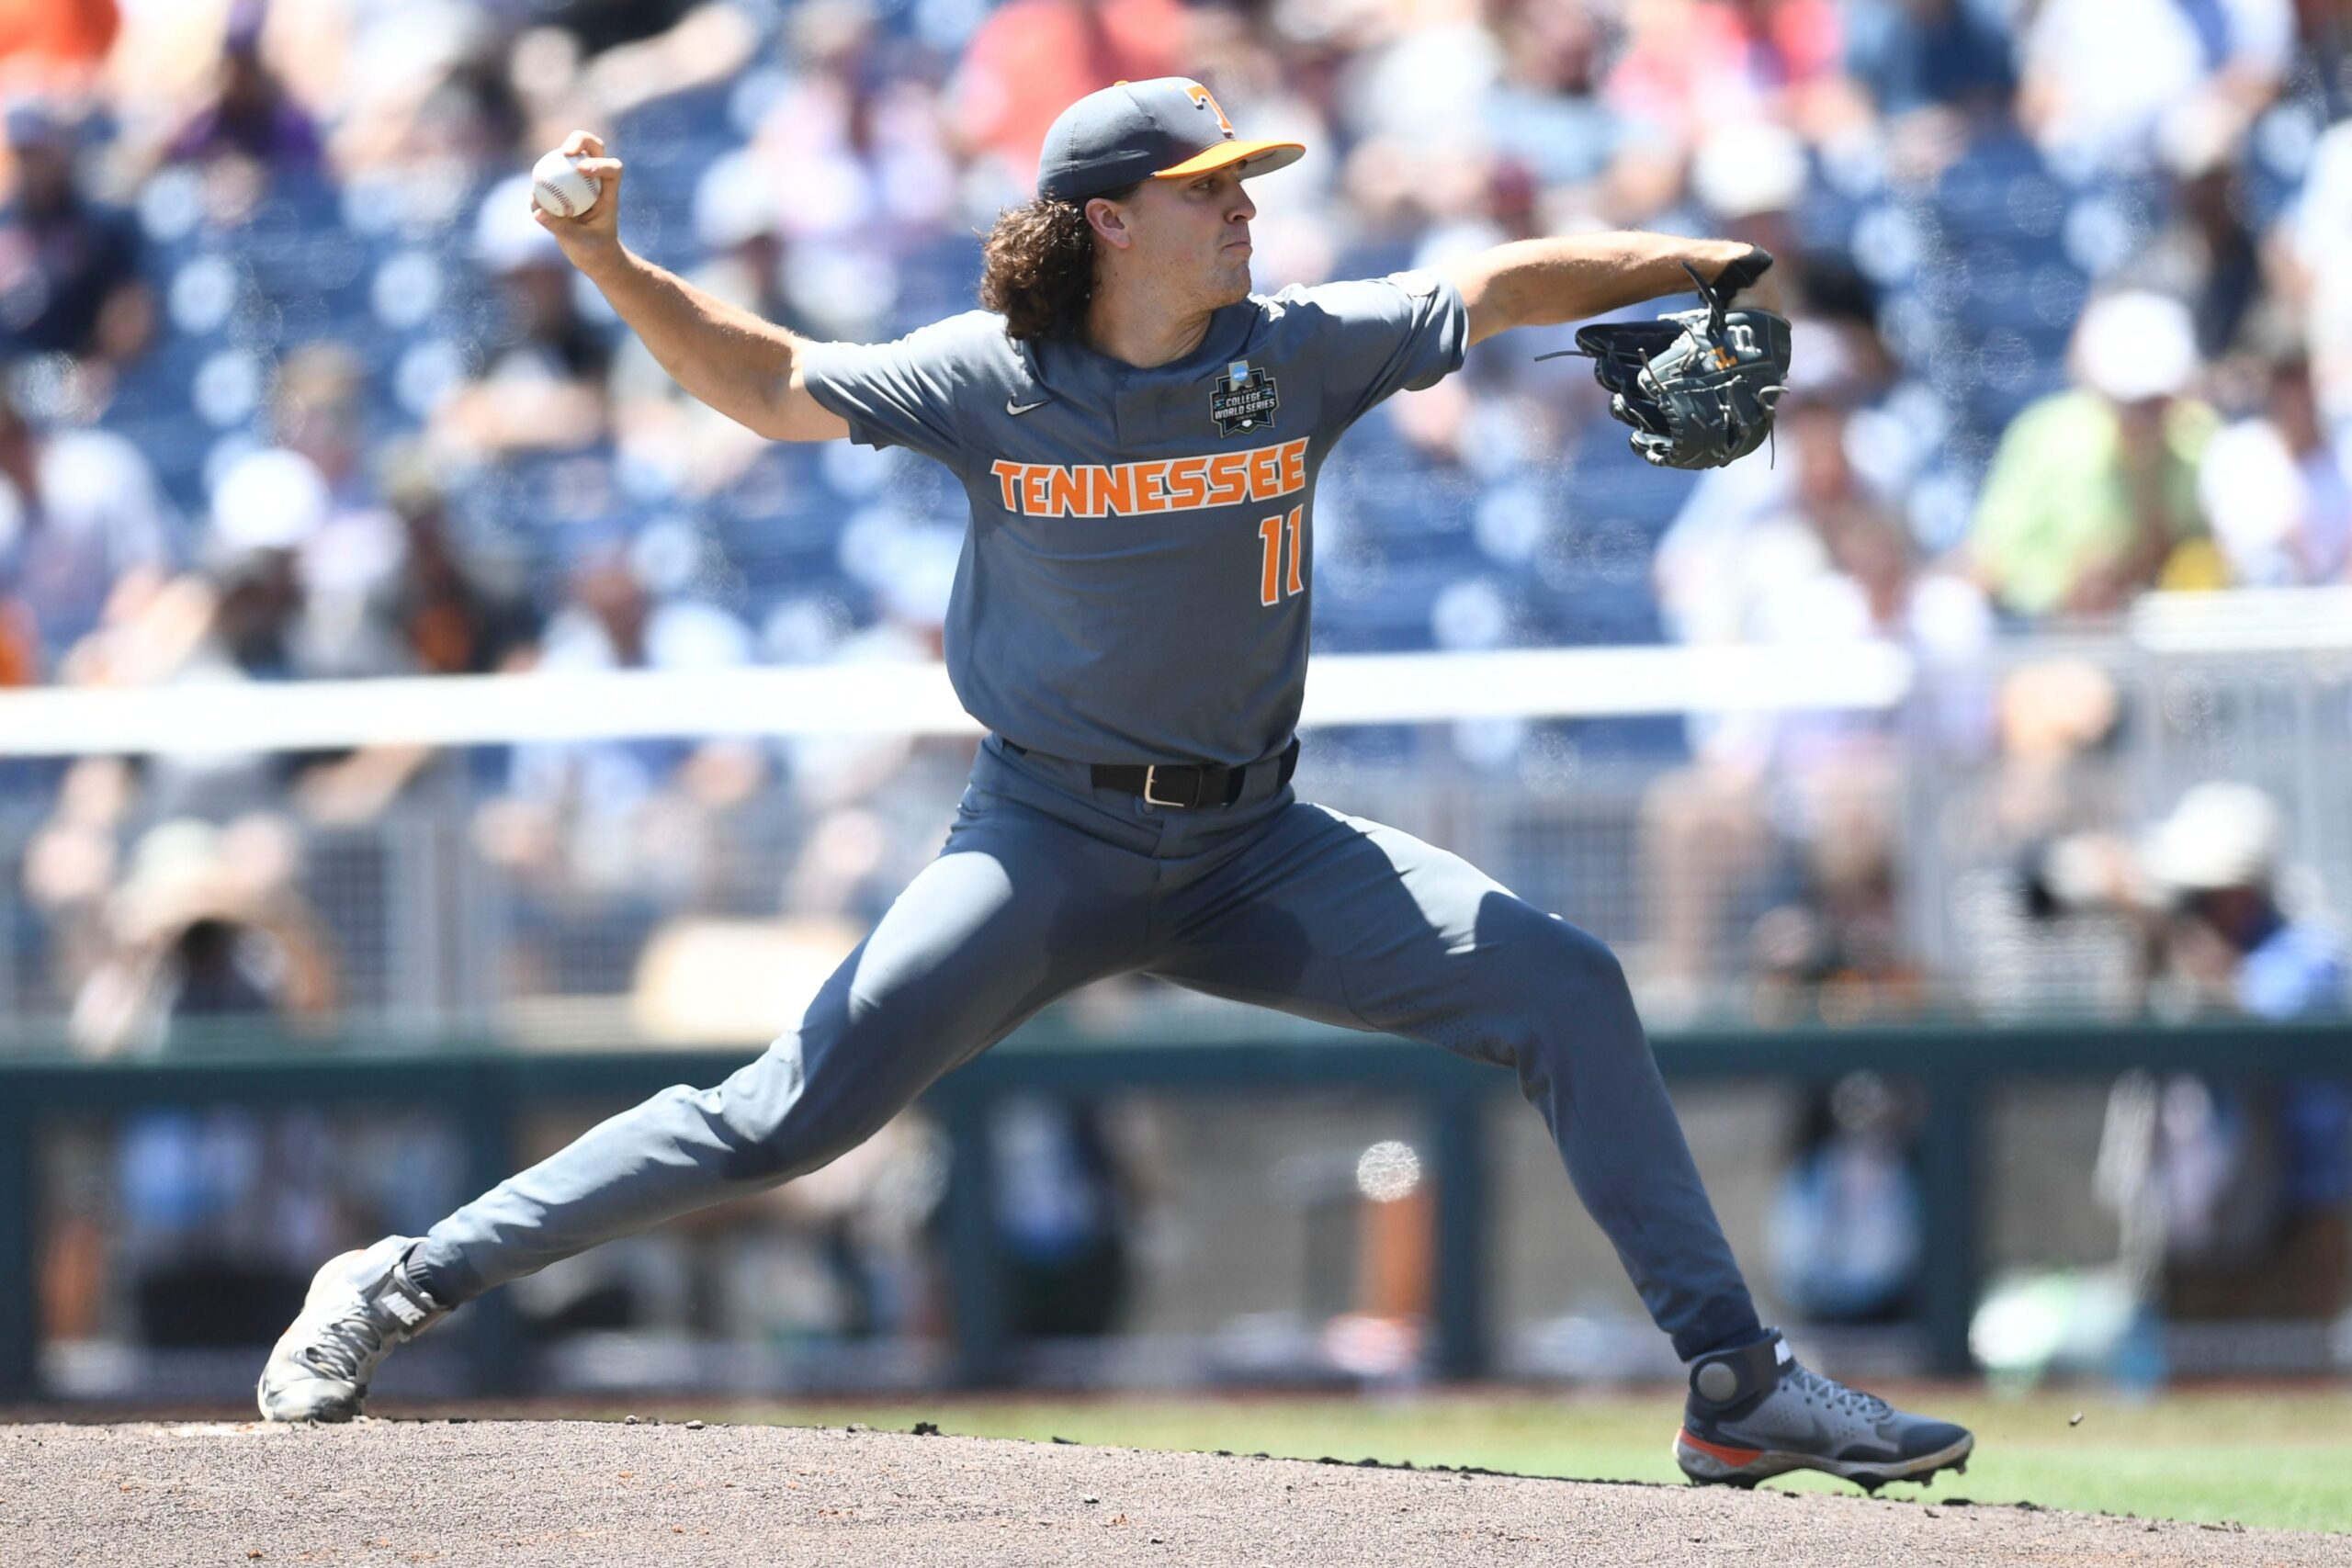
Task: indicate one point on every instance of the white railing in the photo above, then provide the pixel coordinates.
(915, 699)
(2249, 686)
(902, 699)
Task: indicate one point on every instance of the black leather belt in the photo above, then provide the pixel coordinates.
(1187, 785)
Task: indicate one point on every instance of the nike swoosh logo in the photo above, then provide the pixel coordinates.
(1018, 409)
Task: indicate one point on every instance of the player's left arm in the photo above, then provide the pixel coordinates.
(1541, 283)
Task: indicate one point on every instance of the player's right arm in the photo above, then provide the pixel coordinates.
(745, 367)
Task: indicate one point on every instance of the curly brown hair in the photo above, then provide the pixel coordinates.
(1037, 266)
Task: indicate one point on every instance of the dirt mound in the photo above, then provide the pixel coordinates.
(575, 1492)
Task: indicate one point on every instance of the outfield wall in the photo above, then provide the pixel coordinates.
(1958, 1073)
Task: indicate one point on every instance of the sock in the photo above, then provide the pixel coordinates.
(1755, 1334)
(413, 1268)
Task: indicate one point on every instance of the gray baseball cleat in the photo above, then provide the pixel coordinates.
(1756, 1412)
(361, 1305)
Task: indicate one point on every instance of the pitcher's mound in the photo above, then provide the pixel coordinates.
(578, 1494)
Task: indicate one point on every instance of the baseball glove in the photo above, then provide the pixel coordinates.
(1699, 386)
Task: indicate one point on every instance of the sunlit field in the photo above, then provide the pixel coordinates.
(2279, 1457)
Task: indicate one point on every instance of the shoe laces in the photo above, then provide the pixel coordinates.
(345, 1345)
(1834, 1394)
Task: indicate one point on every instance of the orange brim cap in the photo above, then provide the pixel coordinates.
(1264, 158)
(1169, 126)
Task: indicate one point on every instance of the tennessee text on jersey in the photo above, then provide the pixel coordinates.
(1171, 484)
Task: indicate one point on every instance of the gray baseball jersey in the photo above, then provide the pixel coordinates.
(1135, 584)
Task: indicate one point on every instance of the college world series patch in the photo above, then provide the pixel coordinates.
(1244, 398)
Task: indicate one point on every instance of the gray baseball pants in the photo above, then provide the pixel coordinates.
(1047, 883)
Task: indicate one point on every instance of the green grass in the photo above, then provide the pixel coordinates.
(2281, 1459)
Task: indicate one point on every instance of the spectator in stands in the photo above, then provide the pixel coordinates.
(1749, 177)
(2206, 252)
(1918, 56)
(55, 46)
(543, 385)
(318, 411)
(68, 868)
(238, 618)
(1846, 1232)
(1064, 1213)
(1455, 124)
(873, 183)
(1032, 54)
(208, 928)
(737, 222)
(1691, 65)
(434, 609)
(1421, 77)
(2214, 863)
(2327, 31)
(2092, 494)
(314, 493)
(1806, 556)
(1835, 951)
(2237, 1195)
(454, 611)
(20, 660)
(81, 517)
(2311, 250)
(69, 266)
(208, 1209)
(2112, 84)
(250, 116)
(2278, 489)
(608, 835)
(1546, 113)
(208, 924)
(437, 112)
(267, 512)
(599, 59)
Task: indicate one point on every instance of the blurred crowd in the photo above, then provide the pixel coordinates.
(291, 386)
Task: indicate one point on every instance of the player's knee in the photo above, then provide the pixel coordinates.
(1578, 995)
(803, 1105)
(751, 1111)
(1590, 970)
(1560, 964)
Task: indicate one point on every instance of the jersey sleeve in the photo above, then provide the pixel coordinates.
(906, 392)
(1380, 335)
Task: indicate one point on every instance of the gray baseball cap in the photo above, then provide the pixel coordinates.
(1169, 127)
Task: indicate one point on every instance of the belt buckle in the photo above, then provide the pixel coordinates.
(1151, 777)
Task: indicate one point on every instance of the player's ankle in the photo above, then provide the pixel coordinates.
(1739, 1337)
(427, 1281)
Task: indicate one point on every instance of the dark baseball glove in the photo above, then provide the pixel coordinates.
(1699, 386)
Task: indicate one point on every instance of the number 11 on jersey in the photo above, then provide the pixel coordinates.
(1272, 583)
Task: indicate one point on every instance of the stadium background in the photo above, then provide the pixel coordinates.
(294, 392)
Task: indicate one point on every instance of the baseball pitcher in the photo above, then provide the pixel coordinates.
(1139, 437)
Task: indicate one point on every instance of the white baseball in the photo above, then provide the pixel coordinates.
(558, 186)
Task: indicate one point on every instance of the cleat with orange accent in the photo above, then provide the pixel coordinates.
(1755, 1413)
